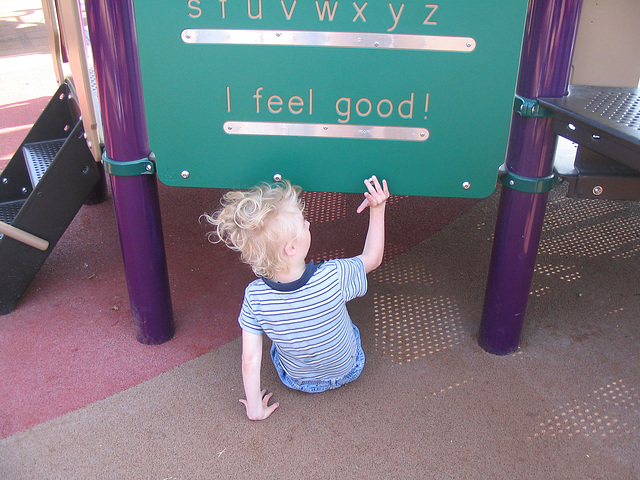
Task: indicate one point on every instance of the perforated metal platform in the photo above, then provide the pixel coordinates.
(603, 119)
(38, 156)
(605, 124)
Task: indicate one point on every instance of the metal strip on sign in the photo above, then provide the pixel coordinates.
(367, 132)
(328, 39)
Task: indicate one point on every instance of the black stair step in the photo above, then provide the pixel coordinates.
(9, 211)
(592, 175)
(39, 155)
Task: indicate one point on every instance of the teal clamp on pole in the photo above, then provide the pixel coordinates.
(530, 108)
(143, 166)
(525, 184)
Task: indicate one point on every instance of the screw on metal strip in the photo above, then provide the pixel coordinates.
(143, 166)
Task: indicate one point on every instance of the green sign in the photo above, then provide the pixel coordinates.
(328, 92)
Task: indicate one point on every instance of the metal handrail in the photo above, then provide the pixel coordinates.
(65, 21)
(53, 34)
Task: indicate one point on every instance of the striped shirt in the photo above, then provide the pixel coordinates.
(307, 320)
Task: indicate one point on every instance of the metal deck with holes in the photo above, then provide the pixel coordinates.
(605, 123)
(39, 155)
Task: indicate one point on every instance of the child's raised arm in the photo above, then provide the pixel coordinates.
(376, 199)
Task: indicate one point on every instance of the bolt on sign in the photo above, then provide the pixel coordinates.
(327, 92)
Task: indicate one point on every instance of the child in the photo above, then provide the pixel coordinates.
(301, 307)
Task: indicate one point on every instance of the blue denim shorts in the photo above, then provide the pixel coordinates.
(318, 386)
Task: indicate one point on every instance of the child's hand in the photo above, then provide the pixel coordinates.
(264, 409)
(377, 195)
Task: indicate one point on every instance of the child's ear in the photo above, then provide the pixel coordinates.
(290, 248)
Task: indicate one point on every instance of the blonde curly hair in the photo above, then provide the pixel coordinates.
(258, 223)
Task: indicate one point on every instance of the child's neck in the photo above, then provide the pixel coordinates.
(292, 274)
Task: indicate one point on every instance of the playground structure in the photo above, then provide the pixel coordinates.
(522, 205)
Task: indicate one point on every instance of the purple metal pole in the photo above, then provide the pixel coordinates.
(113, 37)
(545, 66)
